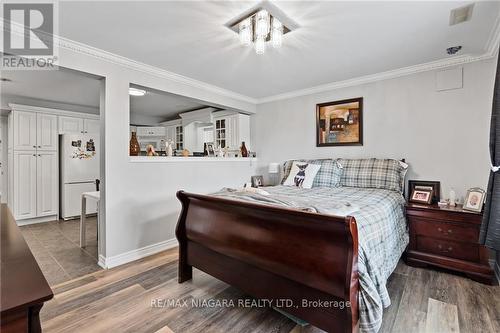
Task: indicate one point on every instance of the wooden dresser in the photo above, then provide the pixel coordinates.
(448, 238)
(23, 288)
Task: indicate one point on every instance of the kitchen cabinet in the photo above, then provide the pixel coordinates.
(25, 184)
(34, 131)
(231, 129)
(33, 162)
(92, 126)
(174, 132)
(46, 132)
(69, 125)
(74, 125)
(151, 131)
(24, 130)
(46, 183)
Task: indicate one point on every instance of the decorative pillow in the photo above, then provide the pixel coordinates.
(328, 175)
(372, 173)
(302, 174)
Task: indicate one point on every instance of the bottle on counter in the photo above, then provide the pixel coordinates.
(134, 148)
(244, 151)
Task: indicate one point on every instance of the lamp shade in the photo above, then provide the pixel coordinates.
(274, 168)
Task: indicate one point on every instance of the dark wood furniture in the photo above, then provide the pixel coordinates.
(23, 288)
(448, 238)
(274, 253)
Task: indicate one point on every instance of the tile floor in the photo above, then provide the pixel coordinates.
(55, 246)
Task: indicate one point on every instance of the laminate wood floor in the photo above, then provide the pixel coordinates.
(126, 299)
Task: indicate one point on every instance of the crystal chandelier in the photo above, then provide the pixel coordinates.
(258, 28)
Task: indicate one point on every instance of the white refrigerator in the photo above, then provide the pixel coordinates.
(79, 159)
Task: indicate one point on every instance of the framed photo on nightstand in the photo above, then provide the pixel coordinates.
(425, 185)
(421, 196)
(474, 199)
(257, 181)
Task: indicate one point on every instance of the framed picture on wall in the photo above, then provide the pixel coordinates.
(340, 123)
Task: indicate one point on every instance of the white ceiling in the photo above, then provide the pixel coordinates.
(335, 41)
(162, 104)
(61, 86)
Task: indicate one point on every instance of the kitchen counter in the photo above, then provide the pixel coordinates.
(180, 159)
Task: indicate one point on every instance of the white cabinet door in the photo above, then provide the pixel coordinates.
(92, 126)
(46, 132)
(70, 125)
(24, 130)
(47, 184)
(143, 131)
(170, 130)
(24, 190)
(158, 131)
(150, 131)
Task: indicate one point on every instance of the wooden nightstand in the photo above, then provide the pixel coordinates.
(448, 238)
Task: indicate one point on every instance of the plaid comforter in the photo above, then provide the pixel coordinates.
(382, 233)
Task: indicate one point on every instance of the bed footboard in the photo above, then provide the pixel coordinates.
(305, 263)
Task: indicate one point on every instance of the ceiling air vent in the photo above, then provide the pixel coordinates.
(461, 14)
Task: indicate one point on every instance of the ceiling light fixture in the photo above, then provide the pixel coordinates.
(260, 25)
(136, 92)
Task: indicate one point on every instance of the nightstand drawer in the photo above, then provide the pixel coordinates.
(432, 228)
(464, 251)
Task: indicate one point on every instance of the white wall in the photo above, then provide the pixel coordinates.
(140, 204)
(443, 135)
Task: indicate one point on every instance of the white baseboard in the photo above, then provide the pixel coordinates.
(37, 220)
(120, 259)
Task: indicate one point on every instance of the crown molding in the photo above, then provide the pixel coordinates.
(88, 50)
(491, 49)
(429, 66)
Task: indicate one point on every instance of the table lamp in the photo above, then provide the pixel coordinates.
(274, 170)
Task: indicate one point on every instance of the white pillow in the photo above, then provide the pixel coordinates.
(302, 174)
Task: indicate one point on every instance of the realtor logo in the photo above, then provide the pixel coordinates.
(28, 36)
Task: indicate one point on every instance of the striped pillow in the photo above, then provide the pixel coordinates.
(372, 173)
(328, 175)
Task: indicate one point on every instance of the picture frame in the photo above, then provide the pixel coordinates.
(340, 123)
(474, 199)
(257, 181)
(210, 149)
(428, 185)
(421, 196)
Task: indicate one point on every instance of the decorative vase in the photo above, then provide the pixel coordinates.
(134, 148)
(169, 148)
(244, 151)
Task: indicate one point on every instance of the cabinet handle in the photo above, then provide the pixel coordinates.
(34, 146)
(39, 146)
(39, 155)
(34, 155)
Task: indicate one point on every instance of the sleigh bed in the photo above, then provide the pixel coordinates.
(289, 247)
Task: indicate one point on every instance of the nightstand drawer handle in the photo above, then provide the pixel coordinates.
(449, 230)
(449, 249)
